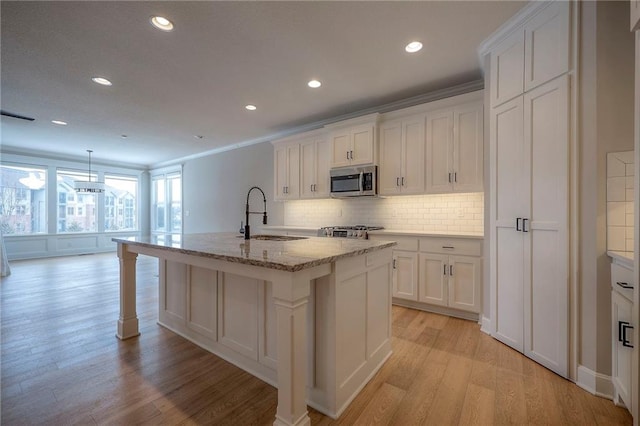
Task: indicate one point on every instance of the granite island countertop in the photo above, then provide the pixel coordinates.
(291, 256)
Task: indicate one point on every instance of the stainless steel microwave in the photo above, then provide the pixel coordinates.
(354, 182)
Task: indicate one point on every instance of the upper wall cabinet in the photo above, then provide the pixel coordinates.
(532, 55)
(287, 171)
(402, 156)
(353, 142)
(314, 168)
(635, 15)
(455, 146)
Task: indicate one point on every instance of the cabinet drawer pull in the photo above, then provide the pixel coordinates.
(402, 181)
(624, 285)
(623, 326)
(444, 269)
(451, 270)
(449, 177)
(518, 219)
(455, 177)
(448, 247)
(397, 181)
(524, 225)
(394, 264)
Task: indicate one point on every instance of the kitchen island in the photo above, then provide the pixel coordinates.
(311, 316)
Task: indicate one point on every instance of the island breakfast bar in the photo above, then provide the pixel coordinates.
(311, 316)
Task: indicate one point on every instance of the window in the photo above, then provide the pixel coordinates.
(23, 207)
(70, 220)
(166, 198)
(121, 190)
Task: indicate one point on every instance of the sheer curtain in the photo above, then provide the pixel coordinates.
(4, 266)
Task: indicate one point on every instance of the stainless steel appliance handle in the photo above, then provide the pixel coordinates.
(361, 181)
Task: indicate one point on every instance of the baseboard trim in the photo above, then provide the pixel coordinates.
(485, 325)
(596, 383)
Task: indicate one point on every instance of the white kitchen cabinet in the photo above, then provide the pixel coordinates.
(314, 168)
(533, 54)
(622, 348)
(287, 172)
(529, 208)
(455, 146)
(402, 160)
(405, 274)
(353, 145)
(450, 273)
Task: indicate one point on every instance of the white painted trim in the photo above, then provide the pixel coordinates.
(485, 325)
(596, 383)
(471, 316)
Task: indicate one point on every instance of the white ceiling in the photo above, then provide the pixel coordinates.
(196, 80)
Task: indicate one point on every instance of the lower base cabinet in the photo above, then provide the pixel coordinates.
(622, 349)
(441, 274)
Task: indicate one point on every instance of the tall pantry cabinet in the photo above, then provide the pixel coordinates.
(529, 138)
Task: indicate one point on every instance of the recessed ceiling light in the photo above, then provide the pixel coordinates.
(101, 80)
(124, 136)
(198, 136)
(251, 107)
(59, 122)
(314, 84)
(413, 47)
(162, 23)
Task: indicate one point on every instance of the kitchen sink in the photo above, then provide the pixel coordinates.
(275, 237)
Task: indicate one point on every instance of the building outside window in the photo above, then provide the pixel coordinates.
(23, 208)
(76, 212)
(121, 190)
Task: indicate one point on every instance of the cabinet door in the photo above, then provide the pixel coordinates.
(547, 45)
(434, 276)
(323, 164)
(405, 275)
(468, 148)
(464, 283)
(621, 355)
(390, 158)
(340, 148)
(508, 184)
(439, 151)
(507, 69)
(293, 172)
(307, 168)
(362, 144)
(280, 172)
(546, 278)
(413, 159)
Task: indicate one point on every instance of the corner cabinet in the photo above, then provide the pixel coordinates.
(314, 168)
(455, 147)
(287, 172)
(402, 156)
(353, 142)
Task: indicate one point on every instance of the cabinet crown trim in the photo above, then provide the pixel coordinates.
(369, 118)
(300, 137)
(510, 26)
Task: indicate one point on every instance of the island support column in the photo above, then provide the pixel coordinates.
(291, 297)
(128, 321)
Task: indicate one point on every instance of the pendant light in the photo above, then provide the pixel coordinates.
(88, 186)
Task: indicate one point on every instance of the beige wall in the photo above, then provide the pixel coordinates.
(605, 125)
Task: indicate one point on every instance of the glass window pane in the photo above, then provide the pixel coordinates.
(80, 209)
(23, 193)
(122, 191)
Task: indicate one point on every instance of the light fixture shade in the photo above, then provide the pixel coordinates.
(88, 186)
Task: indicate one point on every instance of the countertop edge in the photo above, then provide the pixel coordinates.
(625, 258)
(258, 263)
(443, 234)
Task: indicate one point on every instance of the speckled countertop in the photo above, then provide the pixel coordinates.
(288, 256)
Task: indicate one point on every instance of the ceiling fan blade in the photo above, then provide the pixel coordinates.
(10, 114)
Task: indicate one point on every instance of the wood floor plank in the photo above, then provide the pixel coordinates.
(61, 364)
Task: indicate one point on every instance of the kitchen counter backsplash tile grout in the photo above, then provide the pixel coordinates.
(434, 212)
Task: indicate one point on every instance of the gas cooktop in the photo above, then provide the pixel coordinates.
(346, 231)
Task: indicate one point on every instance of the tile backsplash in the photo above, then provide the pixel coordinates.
(433, 212)
(620, 201)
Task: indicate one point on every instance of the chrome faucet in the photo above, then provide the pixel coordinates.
(247, 233)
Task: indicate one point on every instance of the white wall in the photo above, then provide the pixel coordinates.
(606, 125)
(215, 190)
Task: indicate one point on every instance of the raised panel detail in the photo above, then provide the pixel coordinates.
(238, 313)
(507, 69)
(351, 326)
(378, 312)
(175, 290)
(203, 301)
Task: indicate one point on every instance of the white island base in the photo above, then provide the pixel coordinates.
(332, 321)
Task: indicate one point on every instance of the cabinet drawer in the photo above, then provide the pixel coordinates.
(460, 246)
(404, 243)
(622, 277)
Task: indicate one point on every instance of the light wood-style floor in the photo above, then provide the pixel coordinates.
(62, 364)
